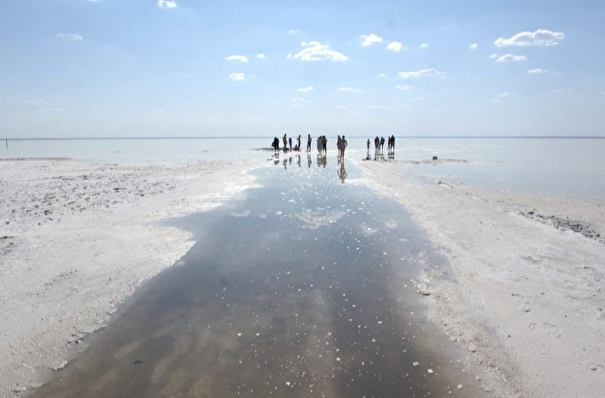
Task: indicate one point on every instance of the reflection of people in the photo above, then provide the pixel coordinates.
(322, 160)
(309, 160)
(342, 173)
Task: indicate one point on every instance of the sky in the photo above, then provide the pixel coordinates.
(185, 68)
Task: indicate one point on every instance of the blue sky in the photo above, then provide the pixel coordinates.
(107, 68)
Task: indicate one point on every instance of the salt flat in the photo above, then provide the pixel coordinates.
(77, 238)
(524, 297)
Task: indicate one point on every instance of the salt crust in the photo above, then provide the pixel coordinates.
(521, 297)
(76, 239)
(525, 300)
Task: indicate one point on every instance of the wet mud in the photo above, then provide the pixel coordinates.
(304, 289)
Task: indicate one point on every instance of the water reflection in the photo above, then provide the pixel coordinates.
(301, 290)
(342, 173)
(322, 160)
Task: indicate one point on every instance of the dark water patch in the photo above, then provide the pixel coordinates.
(303, 289)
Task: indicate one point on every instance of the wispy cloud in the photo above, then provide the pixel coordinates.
(395, 46)
(349, 90)
(368, 40)
(382, 75)
(405, 87)
(293, 32)
(315, 51)
(166, 4)
(540, 37)
(261, 56)
(240, 58)
(70, 36)
(537, 71)
(424, 45)
(28, 102)
(474, 46)
(376, 107)
(306, 89)
(419, 73)
(511, 58)
(237, 77)
(340, 107)
(506, 94)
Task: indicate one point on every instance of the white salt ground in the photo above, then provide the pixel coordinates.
(522, 297)
(76, 239)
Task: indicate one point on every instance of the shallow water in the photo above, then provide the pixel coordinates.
(305, 288)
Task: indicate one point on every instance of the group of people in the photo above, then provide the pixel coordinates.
(379, 143)
(322, 144)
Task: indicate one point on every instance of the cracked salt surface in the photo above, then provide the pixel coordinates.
(284, 294)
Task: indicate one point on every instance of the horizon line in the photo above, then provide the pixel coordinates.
(269, 137)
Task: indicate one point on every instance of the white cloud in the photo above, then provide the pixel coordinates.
(293, 32)
(370, 39)
(376, 107)
(240, 58)
(70, 36)
(261, 56)
(511, 58)
(299, 100)
(506, 94)
(537, 71)
(166, 4)
(493, 56)
(237, 77)
(418, 73)
(540, 37)
(315, 51)
(340, 107)
(349, 89)
(29, 102)
(474, 46)
(382, 75)
(424, 45)
(306, 89)
(395, 46)
(405, 87)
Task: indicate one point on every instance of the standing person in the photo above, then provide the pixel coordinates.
(298, 142)
(320, 144)
(285, 140)
(325, 143)
(290, 141)
(309, 143)
(342, 145)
